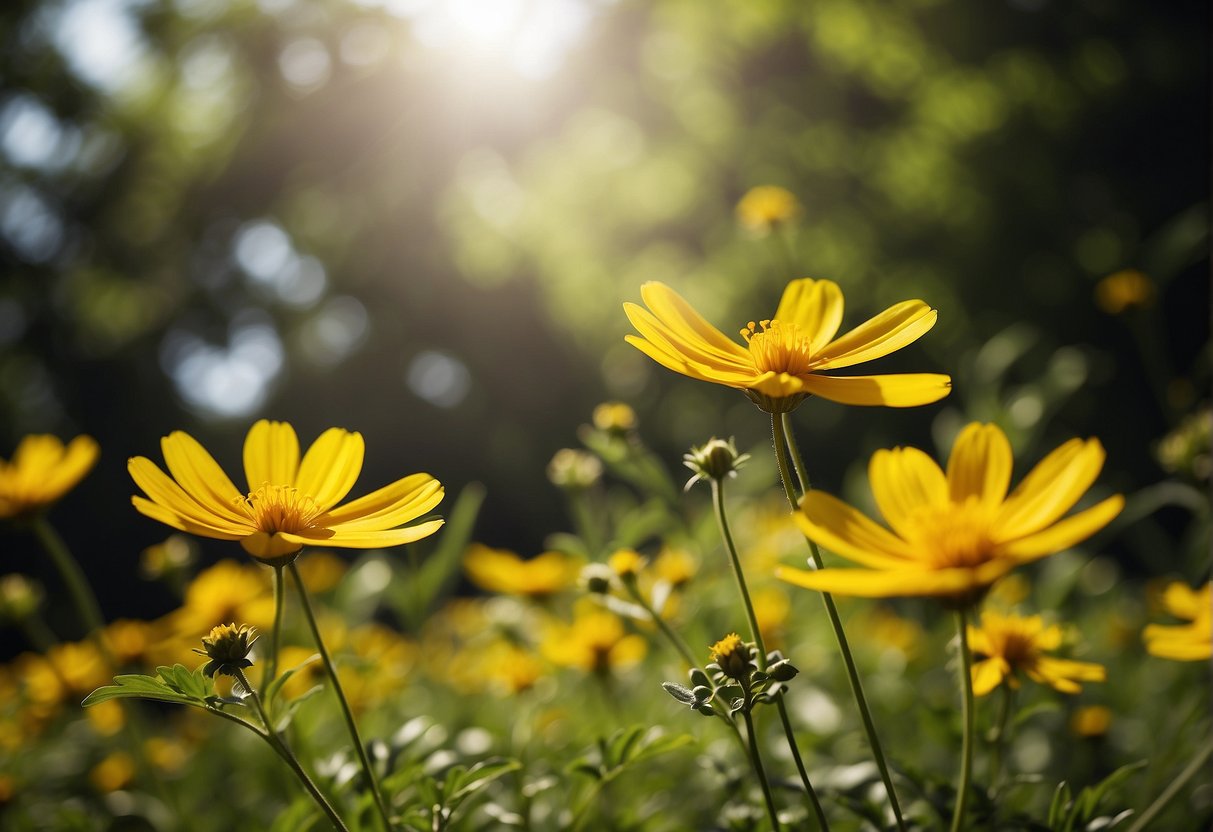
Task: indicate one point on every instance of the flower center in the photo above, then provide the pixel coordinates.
(955, 535)
(778, 347)
(1019, 650)
(281, 508)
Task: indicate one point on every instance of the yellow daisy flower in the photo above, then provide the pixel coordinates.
(953, 534)
(1189, 642)
(290, 502)
(766, 206)
(595, 642)
(41, 471)
(1014, 644)
(784, 358)
(500, 570)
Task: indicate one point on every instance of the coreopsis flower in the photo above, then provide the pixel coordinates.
(290, 502)
(785, 359)
(500, 570)
(614, 417)
(715, 460)
(1008, 646)
(953, 535)
(733, 657)
(41, 471)
(595, 642)
(765, 207)
(1188, 642)
(626, 564)
(228, 648)
(675, 566)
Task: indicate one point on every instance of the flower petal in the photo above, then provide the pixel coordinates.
(691, 348)
(898, 583)
(331, 466)
(1064, 534)
(680, 364)
(904, 481)
(676, 314)
(887, 332)
(390, 506)
(815, 306)
(169, 518)
(980, 465)
(988, 674)
(77, 460)
(166, 493)
(196, 471)
(840, 528)
(364, 539)
(271, 454)
(1050, 489)
(901, 390)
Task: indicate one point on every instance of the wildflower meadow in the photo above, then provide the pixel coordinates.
(605, 415)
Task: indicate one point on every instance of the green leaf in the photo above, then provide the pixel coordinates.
(192, 683)
(622, 744)
(682, 694)
(483, 773)
(136, 686)
(275, 686)
(286, 714)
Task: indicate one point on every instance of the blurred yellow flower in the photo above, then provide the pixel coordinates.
(615, 417)
(291, 502)
(1091, 721)
(1123, 290)
(500, 570)
(783, 359)
(130, 640)
(675, 566)
(41, 471)
(115, 772)
(106, 718)
(766, 206)
(733, 656)
(1184, 642)
(954, 534)
(595, 642)
(1014, 645)
(166, 754)
(509, 668)
(227, 591)
(771, 608)
(626, 563)
(321, 571)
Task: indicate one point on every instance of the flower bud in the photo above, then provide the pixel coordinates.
(614, 417)
(733, 656)
(574, 470)
(714, 460)
(228, 647)
(20, 597)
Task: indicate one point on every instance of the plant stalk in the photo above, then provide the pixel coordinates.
(966, 703)
(1191, 770)
(350, 724)
(785, 443)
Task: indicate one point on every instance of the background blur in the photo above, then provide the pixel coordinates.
(418, 219)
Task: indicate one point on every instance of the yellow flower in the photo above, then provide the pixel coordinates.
(509, 669)
(499, 570)
(1122, 290)
(784, 358)
(615, 417)
(954, 534)
(626, 563)
(1014, 644)
(291, 502)
(733, 656)
(675, 566)
(595, 642)
(227, 591)
(766, 206)
(1091, 721)
(41, 471)
(117, 771)
(321, 571)
(1184, 642)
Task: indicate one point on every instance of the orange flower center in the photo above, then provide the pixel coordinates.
(1019, 649)
(281, 508)
(954, 535)
(778, 347)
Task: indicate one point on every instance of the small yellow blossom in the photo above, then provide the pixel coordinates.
(106, 718)
(595, 642)
(321, 571)
(953, 534)
(1123, 290)
(509, 668)
(614, 417)
(1192, 641)
(1091, 721)
(733, 656)
(675, 566)
(291, 502)
(41, 471)
(20, 597)
(131, 641)
(168, 755)
(573, 469)
(771, 608)
(626, 563)
(784, 358)
(227, 591)
(500, 570)
(766, 206)
(1012, 645)
(117, 771)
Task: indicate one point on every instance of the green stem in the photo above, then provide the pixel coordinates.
(966, 752)
(802, 471)
(77, 584)
(585, 520)
(352, 726)
(271, 661)
(1160, 803)
(998, 739)
(722, 522)
(783, 442)
(284, 751)
(757, 762)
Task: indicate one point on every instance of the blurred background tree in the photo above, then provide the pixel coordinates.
(418, 219)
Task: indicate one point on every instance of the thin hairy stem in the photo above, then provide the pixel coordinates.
(271, 661)
(966, 715)
(756, 759)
